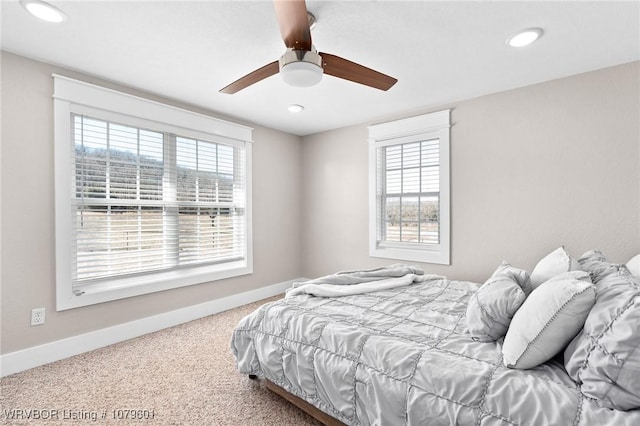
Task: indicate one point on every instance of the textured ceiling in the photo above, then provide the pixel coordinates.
(441, 52)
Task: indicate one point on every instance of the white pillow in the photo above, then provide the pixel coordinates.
(547, 321)
(555, 263)
(634, 266)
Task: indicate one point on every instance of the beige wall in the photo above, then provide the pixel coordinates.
(28, 262)
(531, 169)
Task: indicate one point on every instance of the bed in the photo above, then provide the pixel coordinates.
(404, 355)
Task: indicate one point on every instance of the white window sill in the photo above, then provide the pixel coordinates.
(437, 256)
(148, 283)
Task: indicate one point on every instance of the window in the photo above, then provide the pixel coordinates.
(145, 205)
(409, 189)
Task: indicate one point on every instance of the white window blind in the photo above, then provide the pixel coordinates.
(409, 189)
(210, 217)
(149, 201)
(410, 192)
(148, 197)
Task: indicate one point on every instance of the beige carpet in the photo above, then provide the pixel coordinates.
(185, 374)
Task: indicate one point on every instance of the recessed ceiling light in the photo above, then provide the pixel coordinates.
(43, 10)
(295, 108)
(524, 37)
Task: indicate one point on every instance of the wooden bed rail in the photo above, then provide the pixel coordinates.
(314, 412)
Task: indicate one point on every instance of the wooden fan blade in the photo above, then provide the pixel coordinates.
(251, 78)
(294, 24)
(342, 68)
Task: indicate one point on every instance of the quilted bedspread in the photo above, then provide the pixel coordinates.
(402, 356)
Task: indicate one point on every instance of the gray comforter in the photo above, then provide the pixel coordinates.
(402, 356)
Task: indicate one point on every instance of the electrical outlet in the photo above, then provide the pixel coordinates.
(37, 316)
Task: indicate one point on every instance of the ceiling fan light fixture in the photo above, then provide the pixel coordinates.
(524, 37)
(301, 74)
(300, 68)
(43, 10)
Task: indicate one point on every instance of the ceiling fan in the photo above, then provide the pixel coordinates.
(301, 65)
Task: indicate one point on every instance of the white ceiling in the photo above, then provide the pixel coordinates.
(440, 52)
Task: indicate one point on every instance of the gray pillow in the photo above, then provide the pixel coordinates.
(491, 308)
(605, 357)
(520, 276)
(591, 260)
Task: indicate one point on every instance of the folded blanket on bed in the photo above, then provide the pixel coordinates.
(365, 275)
(332, 290)
(364, 281)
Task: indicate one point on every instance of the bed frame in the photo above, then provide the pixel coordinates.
(321, 416)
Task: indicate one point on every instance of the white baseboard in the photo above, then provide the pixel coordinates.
(35, 356)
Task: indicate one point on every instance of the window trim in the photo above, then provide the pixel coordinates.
(422, 127)
(73, 96)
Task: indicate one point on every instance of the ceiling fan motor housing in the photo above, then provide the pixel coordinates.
(301, 68)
